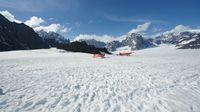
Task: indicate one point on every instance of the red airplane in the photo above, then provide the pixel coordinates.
(125, 53)
(99, 55)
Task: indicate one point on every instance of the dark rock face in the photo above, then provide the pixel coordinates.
(112, 46)
(52, 38)
(167, 39)
(94, 42)
(82, 47)
(182, 40)
(173, 38)
(14, 36)
(190, 43)
(137, 42)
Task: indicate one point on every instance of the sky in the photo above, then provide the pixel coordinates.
(100, 18)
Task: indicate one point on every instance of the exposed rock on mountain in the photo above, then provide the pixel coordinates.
(191, 42)
(94, 42)
(14, 36)
(137, 42)
(82, 47)
(52, 38)
(182, 40)
(112, 46)
(170, 38)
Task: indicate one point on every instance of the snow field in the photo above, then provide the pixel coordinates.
(160, 79)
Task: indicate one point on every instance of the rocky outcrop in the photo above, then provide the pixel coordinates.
(14, 36)
(137, 42)
(82, 47)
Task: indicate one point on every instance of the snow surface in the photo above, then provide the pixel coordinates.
(123, 49)
(160, 79)
(187, 41)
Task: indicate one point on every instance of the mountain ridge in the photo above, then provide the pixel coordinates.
(15, 36)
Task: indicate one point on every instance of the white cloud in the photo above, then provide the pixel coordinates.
(182, 28)
(195, 30)
(102, 38)
(141, 28)
(34, 21)
(10, 16)
(106, 38)
(53, 28)
(178, 29)
(121, 38)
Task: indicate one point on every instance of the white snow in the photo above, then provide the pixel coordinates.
(160, 79)
(123, 49)
(187, 41)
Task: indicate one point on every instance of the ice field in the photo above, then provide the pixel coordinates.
(161, 79)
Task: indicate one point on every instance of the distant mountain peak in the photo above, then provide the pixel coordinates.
(53, 38)
(137, 41)
(183, 40)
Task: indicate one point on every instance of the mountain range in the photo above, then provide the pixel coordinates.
(52, 38)
(15, 36)
(182, 40)
(18, 36)
(134, 41)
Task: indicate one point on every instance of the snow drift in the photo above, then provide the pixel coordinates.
(161, 79)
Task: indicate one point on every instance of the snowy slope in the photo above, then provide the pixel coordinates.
(161, 79)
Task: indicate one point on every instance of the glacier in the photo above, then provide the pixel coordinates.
(161, 79)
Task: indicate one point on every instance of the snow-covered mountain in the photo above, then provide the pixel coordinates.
(190, 42)
(112, 46)
(137, 42)
(182, 40)
(52, 38)
(169, 38)
(133, 40)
